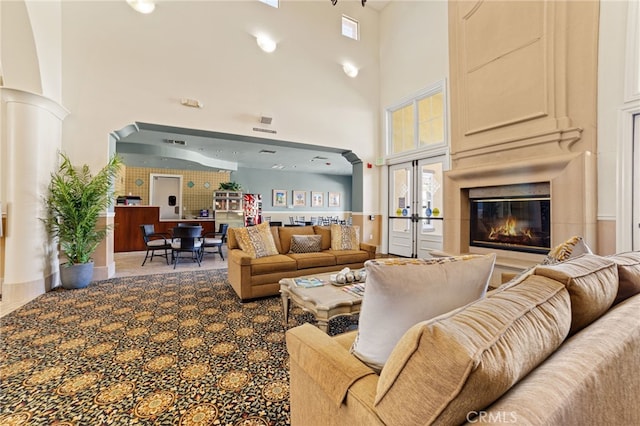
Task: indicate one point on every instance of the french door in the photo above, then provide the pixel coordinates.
(415, 207)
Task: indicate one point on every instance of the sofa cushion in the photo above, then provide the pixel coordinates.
(460, 362)
(628, 274)
(592, 282)
(286, 232)
(257, 241)
(272, 264)
(305, 243)
(346, 257)
(402, 292)
(325, 232)
(313, 260)
(573, 247)
(345, 237)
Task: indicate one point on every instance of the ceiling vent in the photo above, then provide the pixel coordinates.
(175, 142)
(317, 157)
(266, 151)
(259, 129)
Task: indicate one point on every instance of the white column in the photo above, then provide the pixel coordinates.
(31, 139)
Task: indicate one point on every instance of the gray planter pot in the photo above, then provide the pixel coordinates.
(76, 276)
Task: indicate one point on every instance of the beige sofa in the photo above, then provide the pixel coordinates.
(546, 348)
(252, 278)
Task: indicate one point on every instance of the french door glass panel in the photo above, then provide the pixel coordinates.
(400, 199)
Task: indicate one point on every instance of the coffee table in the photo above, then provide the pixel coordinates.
(324, 302)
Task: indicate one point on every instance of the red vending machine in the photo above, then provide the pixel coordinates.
(252, 206)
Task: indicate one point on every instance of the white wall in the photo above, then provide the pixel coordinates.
(120, 66)
(414, 48)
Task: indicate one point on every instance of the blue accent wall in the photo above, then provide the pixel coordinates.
(263, 182)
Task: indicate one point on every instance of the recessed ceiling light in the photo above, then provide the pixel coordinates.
(350, 70)
(266, 43)
(142, 6)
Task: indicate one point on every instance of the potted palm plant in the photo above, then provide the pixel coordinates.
(75, 200)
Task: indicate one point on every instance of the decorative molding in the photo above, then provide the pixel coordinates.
(632, 67)
(625, 170)
(9, 95)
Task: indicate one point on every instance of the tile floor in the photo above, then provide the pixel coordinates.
(129, 263)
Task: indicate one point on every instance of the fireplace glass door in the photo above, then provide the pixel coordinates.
(516, 224)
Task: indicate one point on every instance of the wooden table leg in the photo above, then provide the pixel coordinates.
(285, 307)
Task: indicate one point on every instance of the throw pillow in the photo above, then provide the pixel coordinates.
(402, 292)
(628, 274)
(592, 282)
(573, 247)
(306, 243)
(345, 237)
(256, 241)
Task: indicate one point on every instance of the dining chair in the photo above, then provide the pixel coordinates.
(214, 240)
(155, 241)
(186, 239)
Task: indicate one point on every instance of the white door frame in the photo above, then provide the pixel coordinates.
(628, 211)
(152, 200)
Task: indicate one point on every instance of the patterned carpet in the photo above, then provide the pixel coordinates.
(166, 349)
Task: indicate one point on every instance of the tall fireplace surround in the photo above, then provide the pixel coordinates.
(572, 189)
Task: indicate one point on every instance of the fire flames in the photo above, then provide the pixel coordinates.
(508, 233)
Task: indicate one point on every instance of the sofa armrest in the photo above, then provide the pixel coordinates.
(327, 362)
(370, 248)
(238, 256)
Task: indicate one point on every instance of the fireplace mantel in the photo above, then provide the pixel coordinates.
(572, 181)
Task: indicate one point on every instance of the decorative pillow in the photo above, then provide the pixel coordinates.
(325, 231)
(628, 274)
(592, 282)
(289, 231)
(306, 243)
(460, 362)
(402, 292)
(256, 241)
(345, 237)
(573, 247)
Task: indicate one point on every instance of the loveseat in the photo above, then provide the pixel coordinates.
(256, 273)
(557, 345)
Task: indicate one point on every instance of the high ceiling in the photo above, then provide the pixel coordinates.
(157, 146)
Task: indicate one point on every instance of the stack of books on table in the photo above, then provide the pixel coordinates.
(356, 289)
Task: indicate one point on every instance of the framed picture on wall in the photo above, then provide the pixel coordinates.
(279, 198)
(334, 199)
(317, 199)
(299, 198)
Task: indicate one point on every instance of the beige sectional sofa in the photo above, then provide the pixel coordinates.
(558, 345)
(253, 277)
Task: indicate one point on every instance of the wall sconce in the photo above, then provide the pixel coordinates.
(142, 6)
(266, 44)
(350, 70)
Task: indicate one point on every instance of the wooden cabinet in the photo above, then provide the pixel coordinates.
(127, 235)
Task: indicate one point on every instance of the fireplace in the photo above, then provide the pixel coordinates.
(511, 217)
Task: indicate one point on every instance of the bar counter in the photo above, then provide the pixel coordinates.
(127, 235)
